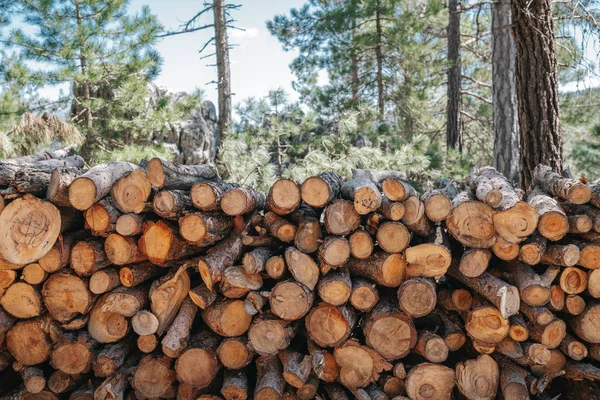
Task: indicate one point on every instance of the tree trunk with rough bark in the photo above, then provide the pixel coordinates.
(223, 71)
(454, 121)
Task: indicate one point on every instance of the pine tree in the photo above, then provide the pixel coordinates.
(101, 50)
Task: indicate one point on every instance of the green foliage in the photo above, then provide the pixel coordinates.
(105, 53)
(133, 153)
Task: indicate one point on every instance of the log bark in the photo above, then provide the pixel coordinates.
(204, 229)
(534, 289)
(172, 204)
(235, 385)
(512, 380)
(237, 283)
(126, 301)
(58, 186)
(363, 193)
(178, 334)
(166, 175)
(563, 255)
(137, 274)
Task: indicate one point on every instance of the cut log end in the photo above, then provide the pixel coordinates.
(316, 192)
(82, 193)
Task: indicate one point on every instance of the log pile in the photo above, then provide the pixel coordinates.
(161, 281)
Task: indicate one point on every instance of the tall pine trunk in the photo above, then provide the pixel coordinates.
(223, 71)
(379, 56)
(504, 83)
(454, 139)
(537, 87)
(86, 112)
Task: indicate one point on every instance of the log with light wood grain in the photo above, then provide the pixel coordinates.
(166, 175)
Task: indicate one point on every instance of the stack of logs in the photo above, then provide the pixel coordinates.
(161, 281)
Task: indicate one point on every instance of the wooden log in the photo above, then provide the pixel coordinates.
(568, 189)
(242, 200)
(105, 326)
(58, 256)
(61, 286)
(42, 156)
(359, 365)
(437, 204)
(268, 334)
(74, 352)
(364, 295)
(550, 335)
(302, 267)
(414, 216)
(131, 192)
(595, 193)
(163, 174)
(589, 255)
(201, 296)
(417, 297)
(392, 237)
(557, 298)
(470, 222)
(88, 257)
(290, 300)
(575, 349)
(235, 352)
(296, 367)
(394, 211)
(104, 280)
(227, 318)
(512, 380)
(110, 359)
(283, 197)
(581, 371)
(335, 392)
(166, 296)
(236, 282)
(235, 385)
(309, 389)
(574, 304)
(553, 223)
(485, 324)
(256, 260)
(204, 229)
(161, 243)
(587, 325)
(395, 188)
(97, 182)
(478, 379)
(32, 274)
(59, 382)
(334, 251)
(340, 218)
(308, 233)
(505, 250)
(484, 190)
(573, 280)
(453, 334)
(122, 250)
(580, 223)
(335, 287)
(130, 224)
(330, 326)
(532, 250)
(388, 331)
(384, 269)
(254, 303)
(172, 204)
(223, 255)
(318, 191)
(534, 289)
(324, 365)
(503, 295)
(363, 193)
(207, 196)
(144, 323)
(430, 259)
(21, 300)
(269, 378)
(474, 262)
(594, 283)
(275, 267)
(153, 377)
(539, 315)
(375, 392)
(431, 346)
(30, 342)
(177, 336)
(564, 255)
(126, 301)
(147, 343)
(361, 244)
(101, 218)
(430, 381)
(30, 228)
(584, 209)
(137, 274)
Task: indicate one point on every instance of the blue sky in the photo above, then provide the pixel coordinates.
(258, 62)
